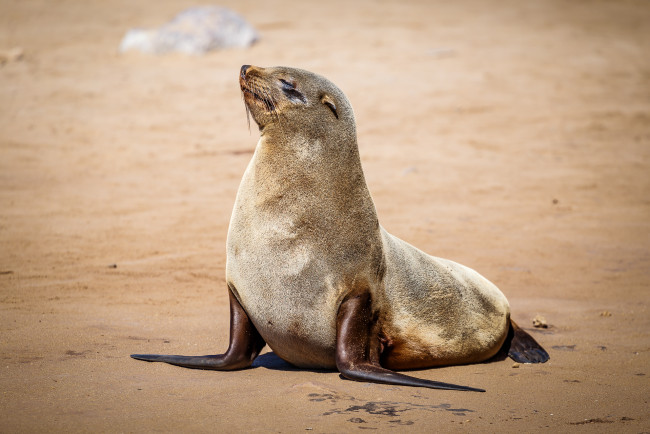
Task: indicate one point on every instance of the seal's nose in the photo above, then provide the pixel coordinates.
(244, 68)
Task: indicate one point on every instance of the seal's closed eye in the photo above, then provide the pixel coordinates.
(289, 88)
(287, 85)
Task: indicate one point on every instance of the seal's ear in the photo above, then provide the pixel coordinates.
(329, 102)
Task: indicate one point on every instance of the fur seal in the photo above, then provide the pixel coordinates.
(311, 273)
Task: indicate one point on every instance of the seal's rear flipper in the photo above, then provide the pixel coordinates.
(523, 348)
(357, 357)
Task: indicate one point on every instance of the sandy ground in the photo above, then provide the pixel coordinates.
(512, 137)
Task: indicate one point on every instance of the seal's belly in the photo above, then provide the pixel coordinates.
(300, 331)
(292, 301)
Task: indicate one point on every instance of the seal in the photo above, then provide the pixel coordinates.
(311, 273)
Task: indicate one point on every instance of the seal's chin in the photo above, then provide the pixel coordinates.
(252, 104)
(259, 104)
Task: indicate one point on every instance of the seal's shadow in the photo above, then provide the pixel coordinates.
(272, 361)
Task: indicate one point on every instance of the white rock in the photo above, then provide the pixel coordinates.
(194, 31)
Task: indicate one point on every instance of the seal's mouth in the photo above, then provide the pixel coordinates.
(250, 93)
(255, 91)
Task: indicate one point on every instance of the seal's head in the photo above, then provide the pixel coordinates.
(295, 100)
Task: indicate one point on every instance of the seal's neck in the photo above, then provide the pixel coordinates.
(304, 189)
(313, 169)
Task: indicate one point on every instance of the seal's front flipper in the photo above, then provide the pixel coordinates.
(216, 362)
(245, 345)
(357, 353)
(523, 348)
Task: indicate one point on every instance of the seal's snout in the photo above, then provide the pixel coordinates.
(242, 72)
(242, 76)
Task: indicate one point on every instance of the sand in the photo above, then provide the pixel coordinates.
(512, 137)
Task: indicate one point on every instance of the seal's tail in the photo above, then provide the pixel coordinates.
(523, 348)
